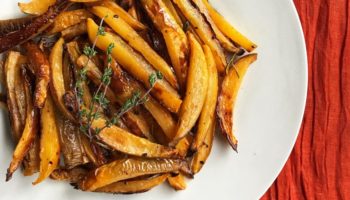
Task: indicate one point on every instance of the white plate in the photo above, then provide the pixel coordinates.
(267, 119)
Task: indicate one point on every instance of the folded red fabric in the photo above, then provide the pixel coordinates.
(319, 166)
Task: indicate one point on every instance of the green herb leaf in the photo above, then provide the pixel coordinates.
(159, 75)
(152, 79)
(101, 31)
(106, 77)
(89, 51)
(110, 48)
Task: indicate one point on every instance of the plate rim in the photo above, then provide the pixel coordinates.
(305, 74)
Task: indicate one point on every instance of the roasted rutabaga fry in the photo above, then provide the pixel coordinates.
(33, 29)
(133, 11)
(203, 151)
(57, 80)
(136, 42)
(49, 141)
(119, 11)
(90, 153)
(31, 163)
(12, 70)
(169, 4)
(11, 25)
(177, 182)
(69, 18)
(36, 7)
(129, 168)
(175, 38)
(16, 102)
(124, 87)
(224, 41)
(41, 65)
(229, 30)
(28, 135)
(133, 186)
(136, 66)
(203, 30)
(227, 98)
(184, 145)
(128, 143)
(71, 143)
(197, 84)
(74, 31)
(71, 175)
(208, 112)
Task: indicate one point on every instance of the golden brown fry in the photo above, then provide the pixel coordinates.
(169, 4)
(72, 175)
(74, 31)
(57, 80)
(28, 135)
(229, 30)
(136, 66)
(36, 7)
(208, 112)
(67, 73)
(14, 85)
(41, 65)
(89, 151)
(129, 168)
(124, 86)
(49, 141)
(71, 143)
(156, 131)
(227, 98)
(133, 10)
(175, 38)
(17, 104)
(120, 12)
(136, 42)
(202, 154)
(135, 122)
(133, 186)
(177, 182)
(224, 41)
(128, 143)
(31, 163)
(196, 90)
(69, 18)
(183, 145)
(162, 116)
(204, 31)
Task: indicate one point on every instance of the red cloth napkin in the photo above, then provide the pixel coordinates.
(319, 166)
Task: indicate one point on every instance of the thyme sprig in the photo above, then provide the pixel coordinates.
(135, 100)
(99, 100)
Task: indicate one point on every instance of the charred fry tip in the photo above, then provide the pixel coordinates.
(233, 145)
(8, 175)
(75, 186)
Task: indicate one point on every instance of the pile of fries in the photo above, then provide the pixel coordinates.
(169, 71)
